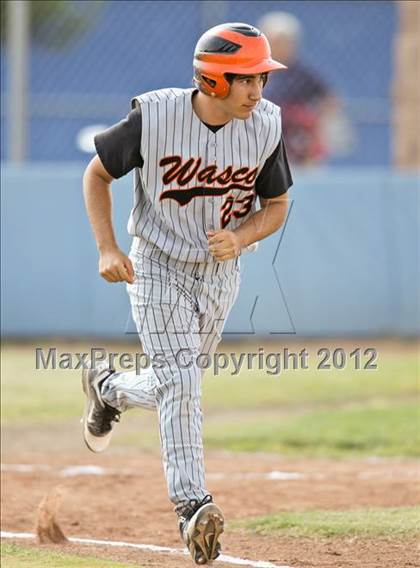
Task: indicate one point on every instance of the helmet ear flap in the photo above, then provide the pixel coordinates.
(211, 84)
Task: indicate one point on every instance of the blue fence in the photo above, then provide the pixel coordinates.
(131, 47)
(347, 262)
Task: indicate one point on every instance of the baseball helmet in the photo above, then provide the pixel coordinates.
(235, 48)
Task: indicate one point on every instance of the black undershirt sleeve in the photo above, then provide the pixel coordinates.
(275, 178)
(118, 147)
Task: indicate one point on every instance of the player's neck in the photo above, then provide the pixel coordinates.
(208, 111)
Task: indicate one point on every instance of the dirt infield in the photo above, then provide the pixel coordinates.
(121, 495)
(128, 503)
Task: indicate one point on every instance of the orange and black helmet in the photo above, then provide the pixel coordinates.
(238, 49)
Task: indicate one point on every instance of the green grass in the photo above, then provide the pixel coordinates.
(302, 412)
(16, 556)
(31, 395)
(400, 522)
(396, 376)
(375, 428)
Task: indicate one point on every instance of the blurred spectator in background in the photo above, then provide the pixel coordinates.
(307, 102)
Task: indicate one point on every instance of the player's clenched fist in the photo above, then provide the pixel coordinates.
(224, 245)
(115, 266)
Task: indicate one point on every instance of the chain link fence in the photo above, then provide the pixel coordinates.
(86, 60)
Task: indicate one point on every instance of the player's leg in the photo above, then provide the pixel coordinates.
(179, 406)
(130, 389)
(218, 292)
(108, 394)
(201, 523)
(214, 296)
(166, 317)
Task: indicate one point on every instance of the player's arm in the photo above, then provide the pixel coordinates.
(114, 265)
(264, 222)
(226, 244)
(271, 186)
(118, 153)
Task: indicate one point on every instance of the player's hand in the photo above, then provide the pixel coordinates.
(115, 266)
(224, 245)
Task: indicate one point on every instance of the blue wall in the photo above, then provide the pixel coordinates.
(347, 262)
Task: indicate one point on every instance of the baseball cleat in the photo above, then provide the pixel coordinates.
(99, 418)
(200, 525)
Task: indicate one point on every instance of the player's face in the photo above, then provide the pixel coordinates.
(245, 93)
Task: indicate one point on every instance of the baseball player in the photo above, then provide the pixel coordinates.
(210, 180)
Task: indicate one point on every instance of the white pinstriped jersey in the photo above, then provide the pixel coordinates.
(194, 180)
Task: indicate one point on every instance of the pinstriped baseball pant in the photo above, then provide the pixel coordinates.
(179, 309)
